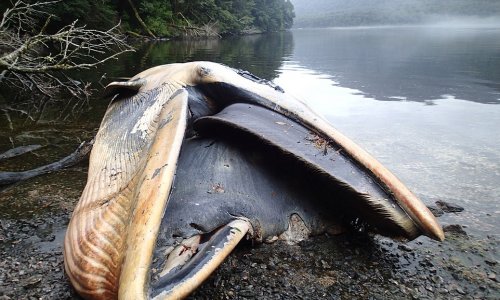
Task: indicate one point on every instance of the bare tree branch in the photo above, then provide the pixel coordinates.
(35, 60)
(207, 30)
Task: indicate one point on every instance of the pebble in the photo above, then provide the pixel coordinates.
(492, 276)
(325, 265)
(491, 262)
(32, 281)
(405, 247)
(437, 212)
(448, 207)
(246, 293)
(437, 279)
(454, 228)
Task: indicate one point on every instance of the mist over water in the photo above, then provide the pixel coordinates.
(410, 63)
(443, 13)
(446, 21)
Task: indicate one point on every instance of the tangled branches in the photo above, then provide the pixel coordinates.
(31, 58)
(207, 30)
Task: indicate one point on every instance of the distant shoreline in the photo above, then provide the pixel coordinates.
(402, 26)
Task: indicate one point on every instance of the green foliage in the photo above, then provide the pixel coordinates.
(227, 16)
(100, 14)
(176, 17)
(157, 13)
(273, 15)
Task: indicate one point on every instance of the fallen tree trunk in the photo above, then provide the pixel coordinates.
(78, 155)
(139, 19)
(19, 151)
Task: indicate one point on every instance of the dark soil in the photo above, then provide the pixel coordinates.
(35, 213)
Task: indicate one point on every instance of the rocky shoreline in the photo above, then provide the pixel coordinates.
(349, 266)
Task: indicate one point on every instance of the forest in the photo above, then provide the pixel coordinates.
(174, 18)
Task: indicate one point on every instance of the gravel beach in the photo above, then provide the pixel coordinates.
(35, 213)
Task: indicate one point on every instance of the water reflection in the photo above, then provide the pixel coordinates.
(262, 55)
(410, 63)
(448, 151)
(23, 118)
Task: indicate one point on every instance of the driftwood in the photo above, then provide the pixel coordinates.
(35, 60)
(19, 151)
(78, 155)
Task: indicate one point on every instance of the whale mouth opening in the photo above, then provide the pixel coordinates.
(193, 259)
(354, 190)
(272, 175)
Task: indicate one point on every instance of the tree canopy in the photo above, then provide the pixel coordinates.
(180, 17)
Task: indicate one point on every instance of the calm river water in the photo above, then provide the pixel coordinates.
(424, 101)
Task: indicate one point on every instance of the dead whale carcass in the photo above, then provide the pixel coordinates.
(191, 158)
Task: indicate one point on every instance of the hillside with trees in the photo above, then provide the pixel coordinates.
(325, 13)
(170, 18)
(40, 41)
